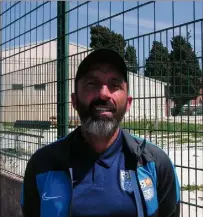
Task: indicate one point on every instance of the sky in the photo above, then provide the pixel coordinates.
(137, 24)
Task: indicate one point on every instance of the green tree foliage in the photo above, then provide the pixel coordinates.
(130, 57)
(158, 63)
(185, 74)
(102, 36)
(180, 69)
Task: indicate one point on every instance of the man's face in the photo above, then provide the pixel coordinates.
(101, 100)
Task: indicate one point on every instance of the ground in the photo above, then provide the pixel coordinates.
(187, 158)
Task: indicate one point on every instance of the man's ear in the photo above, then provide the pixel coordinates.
(129, 103)
(74, 100)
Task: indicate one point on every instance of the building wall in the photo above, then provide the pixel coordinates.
(199, 99)
(33, 65)
(148, 97)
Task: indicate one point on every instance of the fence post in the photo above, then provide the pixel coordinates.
(1, 65)
(62, 69)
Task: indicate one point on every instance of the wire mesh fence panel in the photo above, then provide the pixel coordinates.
(163, 50)
(42, 45)
(28, 80)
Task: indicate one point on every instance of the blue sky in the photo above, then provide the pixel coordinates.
(158, 16)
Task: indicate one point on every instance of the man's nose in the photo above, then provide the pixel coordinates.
(104, 92)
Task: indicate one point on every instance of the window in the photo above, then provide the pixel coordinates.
(40, 86)
(17, 86)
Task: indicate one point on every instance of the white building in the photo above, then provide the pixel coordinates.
(29, 84)
(29, 80)
(148, 97)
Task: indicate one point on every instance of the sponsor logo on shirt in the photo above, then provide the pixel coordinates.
(125, 181)
(147, 188)
(44, 197)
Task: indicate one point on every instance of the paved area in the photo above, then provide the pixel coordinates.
(195, 198)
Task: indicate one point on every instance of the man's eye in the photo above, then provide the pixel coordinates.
(116, 85)
(90, 83)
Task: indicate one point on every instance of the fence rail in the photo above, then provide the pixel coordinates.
(42, 44)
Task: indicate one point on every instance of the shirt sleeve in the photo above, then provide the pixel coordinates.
(168, 188)
(30, 202)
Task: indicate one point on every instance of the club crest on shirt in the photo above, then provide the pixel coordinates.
(147, 188)
(125, 181)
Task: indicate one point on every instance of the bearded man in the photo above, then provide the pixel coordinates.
(99, 169)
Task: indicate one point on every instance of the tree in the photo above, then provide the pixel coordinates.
(102, 36)
(185, 74)
(131, 59)
(158, 63)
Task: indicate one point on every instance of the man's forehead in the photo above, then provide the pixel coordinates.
(106, 68)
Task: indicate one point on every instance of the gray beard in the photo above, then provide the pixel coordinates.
(100, 128)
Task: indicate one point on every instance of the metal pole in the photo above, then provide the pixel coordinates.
(1, 97)
(66, 68)
(62, 69)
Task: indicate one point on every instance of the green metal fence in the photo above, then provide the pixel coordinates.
(42, 44)
(28, 80)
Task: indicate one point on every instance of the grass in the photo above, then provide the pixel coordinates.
(165, 129)
(192, 187)
(8, 126)
(143, 127)
(18, 152)
(164, 126)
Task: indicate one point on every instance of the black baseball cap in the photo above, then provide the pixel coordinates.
(102, 55)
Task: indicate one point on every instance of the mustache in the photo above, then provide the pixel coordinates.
(99, 102)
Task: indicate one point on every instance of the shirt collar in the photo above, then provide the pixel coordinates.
(109, 156)
(82, 151)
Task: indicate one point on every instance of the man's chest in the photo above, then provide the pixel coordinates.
(103, 191)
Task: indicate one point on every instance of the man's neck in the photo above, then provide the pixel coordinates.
(100, 144)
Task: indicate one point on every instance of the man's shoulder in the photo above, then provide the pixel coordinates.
(151, 152)
(53, 156)
(55, 149)
(154, 150)
(153, 159)
(47, 151)
(50, 148)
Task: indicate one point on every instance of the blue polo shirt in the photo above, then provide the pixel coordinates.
(100, 182)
